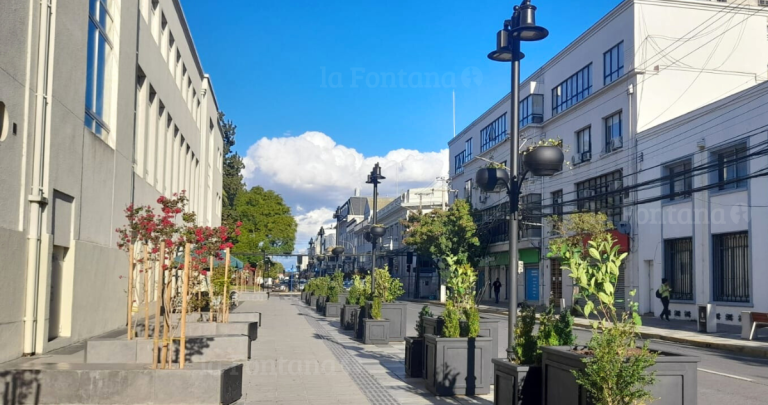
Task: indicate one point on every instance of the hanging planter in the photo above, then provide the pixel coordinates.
(337, 250)
(378, 231)
(546, 158)
(493, 178)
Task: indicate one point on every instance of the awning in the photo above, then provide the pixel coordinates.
(502, 258)
(233, 261)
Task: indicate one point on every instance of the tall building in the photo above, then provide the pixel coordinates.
(103, 103)
(644, 63)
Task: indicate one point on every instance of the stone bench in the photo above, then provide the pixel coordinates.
(250, 329)
(118, 384)
(252, 296)
(198, 349)
(245, 317)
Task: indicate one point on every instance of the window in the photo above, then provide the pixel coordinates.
(458, 162)
(680, 180)
(99, 51)
(613, 63)
(532, 110)
(731, 166)
(613, 140)
(557, 203)
(492, 223)
(730, 267)
(678, 267)
(584, 145)
(572, 90)
(530, 223)
(494, 133)
(468, 190)
(601, 194)
(468, 150)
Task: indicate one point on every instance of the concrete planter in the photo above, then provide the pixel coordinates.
(676, 380)
(303, 296)
(313, 300)
(490, 327)
(198, 349)
(320, 304)
(343, 298)
(245, 317)
(332, 310)
(347, 320)
(516, 384)
(375, 331)
(397, 314)
(359, 315)
(458, 366)
(432, 326)
(414, 356)
(79, 383)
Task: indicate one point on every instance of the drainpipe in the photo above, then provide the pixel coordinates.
(37, 199)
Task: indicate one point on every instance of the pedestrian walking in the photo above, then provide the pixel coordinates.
(497, 288)
(663, 293)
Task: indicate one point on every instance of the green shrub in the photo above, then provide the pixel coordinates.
(387, 288)
(424, 313)
(376, 309)
(525, 346)
(451, 321)
(472, 315)
(354, 291)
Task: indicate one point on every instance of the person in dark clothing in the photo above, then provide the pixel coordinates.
(665, 290)
(497, 288)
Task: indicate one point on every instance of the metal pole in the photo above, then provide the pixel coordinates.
(373, 238)
(513, 194)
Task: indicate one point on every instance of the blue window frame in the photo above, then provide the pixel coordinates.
(99, 45)
(571, 91)
(613, 63)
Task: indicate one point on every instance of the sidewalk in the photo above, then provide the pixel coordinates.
(728, 337)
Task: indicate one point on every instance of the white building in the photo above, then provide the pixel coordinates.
(420, 278)
(705, 223)
(644, 63)
(73, 155)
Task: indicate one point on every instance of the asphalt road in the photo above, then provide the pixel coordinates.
(723, 378)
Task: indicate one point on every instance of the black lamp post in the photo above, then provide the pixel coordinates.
(521, 27)
(375, 178)
(337, 251)
(321, 234)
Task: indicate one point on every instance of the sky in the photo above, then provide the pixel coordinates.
(322, 90)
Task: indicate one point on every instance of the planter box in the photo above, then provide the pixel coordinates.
(414, 356)
(397, 314)
(458, 366)
(516, 384)
(359, 315)
(320, 304)
(676, 381)
(432, 326)
(303, 296)
(313, 301)
(490, 327)
(375, 331)
(332, 310)
(347, 320)
(198, 349)
(79, 383)
(343, 298)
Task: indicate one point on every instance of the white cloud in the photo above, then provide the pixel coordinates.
(314, 174)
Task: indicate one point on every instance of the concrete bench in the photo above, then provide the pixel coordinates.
(205, 328)
(245, 317)
(198, 349)
(751, 321)
(79, 383)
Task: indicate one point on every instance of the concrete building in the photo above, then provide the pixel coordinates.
(705, 221)
(419, 277)
(644, 63)
(74, 154)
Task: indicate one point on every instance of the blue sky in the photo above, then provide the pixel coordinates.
(321, 90)
(286, 67)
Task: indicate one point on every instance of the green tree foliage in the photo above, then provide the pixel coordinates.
(388, 289)
(616, 369)
(451, 321)
(525, 346)
(267, 224)
(355, 290)
(335, 287)
(376, 309)
(424, 313)
(445, 234)
(232, 182)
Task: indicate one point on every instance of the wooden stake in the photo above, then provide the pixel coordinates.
(158, 305)
(145, 266)
(184, 299)
(166, 321)
(210, 289)
(130, 292)
(226, 284)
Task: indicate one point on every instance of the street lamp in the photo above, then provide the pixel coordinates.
(321, 233)
(521, 27)
(337, 251)
(310, 258)
(376, 231)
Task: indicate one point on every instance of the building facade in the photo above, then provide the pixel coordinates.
(103, 103)
(646, 62)
(703, 223)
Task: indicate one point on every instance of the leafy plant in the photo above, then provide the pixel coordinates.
(387, 288)
(364, 294)
(525, 345)
(335, 287)
(451, 320)
(472, 316)
(354, 290)
(424, 313)
(494, 165)
(461, 283)
(376, 309)
(546, 142)
(616, 369)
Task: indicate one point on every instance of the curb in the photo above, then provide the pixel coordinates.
(727, 347)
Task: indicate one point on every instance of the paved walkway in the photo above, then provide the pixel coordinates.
(728, 337)
(316, 363)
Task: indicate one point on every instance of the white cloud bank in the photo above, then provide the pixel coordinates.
(314, 174)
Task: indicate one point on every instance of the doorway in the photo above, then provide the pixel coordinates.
(556, 280)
